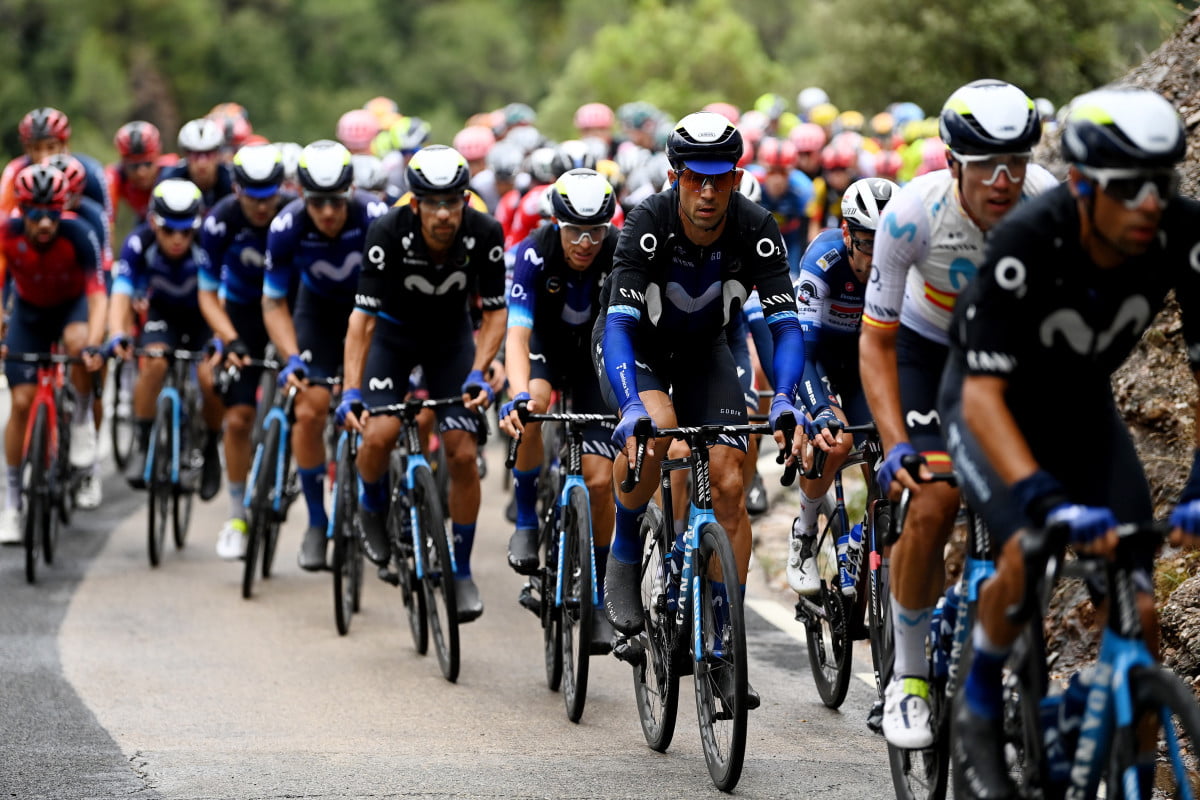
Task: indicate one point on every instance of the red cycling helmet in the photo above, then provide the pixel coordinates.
(44, 123)
(839, 156)
(773, 152)
(727, 110)
(887, 164)
(356, 129)
(138, 140)
(808, 137)
(594, 115)
(71, 168)
(474, 141)
(41, 185)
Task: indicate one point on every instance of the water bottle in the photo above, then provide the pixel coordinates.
(941, 630)
(675, 565)
(849, 554)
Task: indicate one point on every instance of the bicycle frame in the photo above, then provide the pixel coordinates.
(51, 380)
(281, 413)
(178, 367)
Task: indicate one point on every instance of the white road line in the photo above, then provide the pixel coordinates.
(785, 620)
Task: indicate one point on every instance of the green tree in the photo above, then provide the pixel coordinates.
(678, 57)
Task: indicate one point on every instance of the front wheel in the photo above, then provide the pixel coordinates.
(438, 583)
(720, 679)
(655, 672)
(121, 423)
(829, 647)
(1163, 745)
(261, 513)
(35, 510)
(575, 614)
(161, 491)
(404, 557)
(346, 558)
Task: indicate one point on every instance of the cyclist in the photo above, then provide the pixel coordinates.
(839, 169)
(595, 121)
(162, 260)
(546, 164)
(831, 287)
(46, 132)
(54, 258)
(926, 250)
(786, 193)
(201, 143)
(319, 238)
(133, 177)
(424, 262)
(357, 129)
(553, 305)
(1069, 284)
(684, 264)
(234, 236)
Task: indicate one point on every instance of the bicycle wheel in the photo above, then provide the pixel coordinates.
(161, 491)
(552, 654)
(270, 542)
(35, 494)
(121, 426)
(181, 515)
(343, 536)
(828, 631)
(655, 674)
(879, 605)
(576, 614)
(260, 509)
(438, 583)
(1164, 705)
(405, 559)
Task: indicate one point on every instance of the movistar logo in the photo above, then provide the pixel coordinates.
(420, 284)
(908, 231)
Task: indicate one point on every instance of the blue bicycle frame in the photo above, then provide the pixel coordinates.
(276, 412)
(169, 394)
(413, 460)
(570, 482)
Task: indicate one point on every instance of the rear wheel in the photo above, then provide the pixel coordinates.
(655, 674)
(161, 491)
(271, 538)
(260, 510)
(345, 542)
(405, 559)
(181, 515)
(1167, 736)
(720, 678)
(35, 511)
(552, 654)
(121, 424)
(575, 615)
(438, 583)
(827, 626)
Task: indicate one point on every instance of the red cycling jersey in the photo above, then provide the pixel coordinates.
(59, 273)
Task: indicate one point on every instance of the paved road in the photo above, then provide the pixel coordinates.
(121, 680)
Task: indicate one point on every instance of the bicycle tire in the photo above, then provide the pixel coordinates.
(121, 425)
(830, 651)
(576, 613)
(160, 483)
(405, 559)
(1024, 685)
(260, 509)
(343, 533)
(63, 479)
(552, 654)
(34, 510)
(722, 664)
(438, 583)
(181, 515)
(656, 677)
(879, 605)
(1158, 691)
(270, 542)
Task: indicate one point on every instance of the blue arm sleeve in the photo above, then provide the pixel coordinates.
(619, 363)
(789, 352)
(764, 345)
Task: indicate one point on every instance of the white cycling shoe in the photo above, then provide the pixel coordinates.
(231, 541)
(88, 495)
(83, 445)
(10, 526)
(802, 564)
(906, 715)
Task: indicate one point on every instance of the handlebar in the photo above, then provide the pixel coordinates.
(1042, 550)
(48, 359)
(912, 465)
(526, 416)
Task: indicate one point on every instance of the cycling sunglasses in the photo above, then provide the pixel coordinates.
(695, 181)
(436, 204)
(321, 200)
(39, 213)
(577, 233)
(1012, 164)
(1133, 186)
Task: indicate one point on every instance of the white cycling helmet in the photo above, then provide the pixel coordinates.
(201, 136)
(863, 202)
(750, 187)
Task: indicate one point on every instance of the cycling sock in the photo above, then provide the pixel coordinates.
(83, 413)
(911, 627)
(626, 543)
(601, 551)
(525, 490)
(809, 506)
(237, 500)
(374, 494)
(464, 539)
(680, 529)
(312, 481)
(13, 496)
(144, 427)
(983, 690)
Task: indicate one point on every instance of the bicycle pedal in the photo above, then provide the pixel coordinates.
(527, 600)
(629, 650)
(387, 576)
(875, 717)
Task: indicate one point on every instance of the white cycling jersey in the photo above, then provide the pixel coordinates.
(926, 227)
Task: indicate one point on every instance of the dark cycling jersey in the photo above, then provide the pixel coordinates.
(675, 297)
(1043, 317)
(549, 296)
(327, 267)
(169, 284)
(223, 186)
(65, 270)
(236, 250)
(94, 215)
(401, 285)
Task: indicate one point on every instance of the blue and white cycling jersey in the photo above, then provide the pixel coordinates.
(144, 269)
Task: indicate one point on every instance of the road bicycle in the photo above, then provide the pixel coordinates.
(693, 623)
(347, 560)
(273, 481)
(422, 562)
(175, 457)
(48, 482)
(564, 590)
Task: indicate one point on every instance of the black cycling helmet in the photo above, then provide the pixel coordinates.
(176, 203)
(863, 202)
(704, 142)
(325, 168)
(1123, 129)
(258, 170)
(437, 169)
(583, 197)
(987, 117)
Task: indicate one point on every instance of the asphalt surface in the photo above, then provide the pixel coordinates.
(121, 680)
